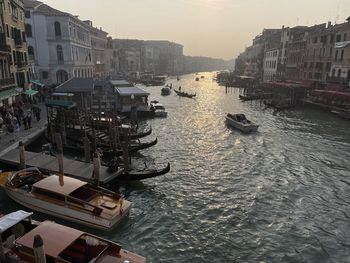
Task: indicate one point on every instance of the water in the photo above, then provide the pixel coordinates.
(280, 195)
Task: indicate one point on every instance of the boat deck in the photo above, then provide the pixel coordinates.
(49, 164)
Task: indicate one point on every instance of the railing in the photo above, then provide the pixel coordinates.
(7, 82)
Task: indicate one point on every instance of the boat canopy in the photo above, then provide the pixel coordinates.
(52, 184)
(56, 237)
(9, 220)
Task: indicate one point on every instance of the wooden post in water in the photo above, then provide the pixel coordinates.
(97, 167)
(22, 161)
(87, 149)
(125, 146)
(39, 250)
(59, 153)
(2, 253)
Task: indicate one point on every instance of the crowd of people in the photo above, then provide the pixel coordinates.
(18, 116)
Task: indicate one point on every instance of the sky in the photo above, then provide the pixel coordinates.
(214, 28)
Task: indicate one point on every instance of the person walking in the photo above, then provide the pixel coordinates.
(29, 120)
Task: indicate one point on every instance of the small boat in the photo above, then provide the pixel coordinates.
(134, 175)
(197, 79)
(65, 197)
(59, 243)
(345, 114)
(158, 108)
(165, 91)
(240, 122)
(202, 77)
(184, 94)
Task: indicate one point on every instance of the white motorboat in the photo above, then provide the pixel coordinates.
(59, 243)
(158, 108)
(165, 91)
(240, 122)
(66, 197)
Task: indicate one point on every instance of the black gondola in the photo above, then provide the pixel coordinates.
(184, 94)
(134, 175)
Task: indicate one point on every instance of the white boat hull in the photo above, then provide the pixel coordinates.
(64, 212)
(244, 127)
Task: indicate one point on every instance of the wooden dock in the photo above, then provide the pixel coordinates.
(49, 164)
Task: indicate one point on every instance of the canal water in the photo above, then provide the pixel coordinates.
(279, 195)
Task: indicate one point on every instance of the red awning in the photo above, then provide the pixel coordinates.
(332, 94)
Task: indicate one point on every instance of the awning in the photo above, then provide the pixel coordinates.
(30, 92)
(38, 83)
(8, 94)
(60, 104)
(9, 220)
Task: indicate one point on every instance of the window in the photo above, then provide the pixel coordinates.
(342, 55)
(57, 29)
(339, 73)
(314, 40)
(59, 50)
(344, 37)
(330, 51)
(336, 55)
(311, 65)
(28, 28)
(338, 39)
(31, 51)
(7, 30)
(332, 39)
(27, 14)
(45, 74)
(333, 72)
(24, 37)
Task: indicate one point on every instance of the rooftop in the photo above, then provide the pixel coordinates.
(53, 184)
(76, 85)
(128, 91)
(120, 83)
(56, 237)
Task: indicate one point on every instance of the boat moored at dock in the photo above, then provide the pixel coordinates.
(66, 197)
(58, 243)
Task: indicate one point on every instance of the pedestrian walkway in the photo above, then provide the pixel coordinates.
(9, 141)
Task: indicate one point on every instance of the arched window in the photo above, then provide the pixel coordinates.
(59, 50)
(57, 29)
(339, 73)
(333, 72)
(28, 29)
(31, 52)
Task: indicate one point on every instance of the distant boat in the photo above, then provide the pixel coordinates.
(159, 110)
(197, 79)
(165, 91)
(240, 122)
(202, 77)
(184, 94)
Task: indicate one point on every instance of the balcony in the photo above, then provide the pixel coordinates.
(7, 82)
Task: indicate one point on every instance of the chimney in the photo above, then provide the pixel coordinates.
(329, 24)
(348, 19)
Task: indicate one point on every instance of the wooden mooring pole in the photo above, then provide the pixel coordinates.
(22, 162)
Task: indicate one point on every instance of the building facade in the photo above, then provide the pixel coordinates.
(59, 44)
(99, 46)
(270, 64)
(340, 68)
(14, 70)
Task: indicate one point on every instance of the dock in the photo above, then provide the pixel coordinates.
(49, 164)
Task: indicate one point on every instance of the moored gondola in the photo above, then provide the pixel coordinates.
(134, 175)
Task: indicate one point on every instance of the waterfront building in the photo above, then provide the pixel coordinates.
(319, 53)
(59, 44)
(270, 64)
(99, 46)
(169, 56)
(340, 68)
(14, 70)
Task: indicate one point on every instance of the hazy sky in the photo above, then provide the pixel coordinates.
(216, 28)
